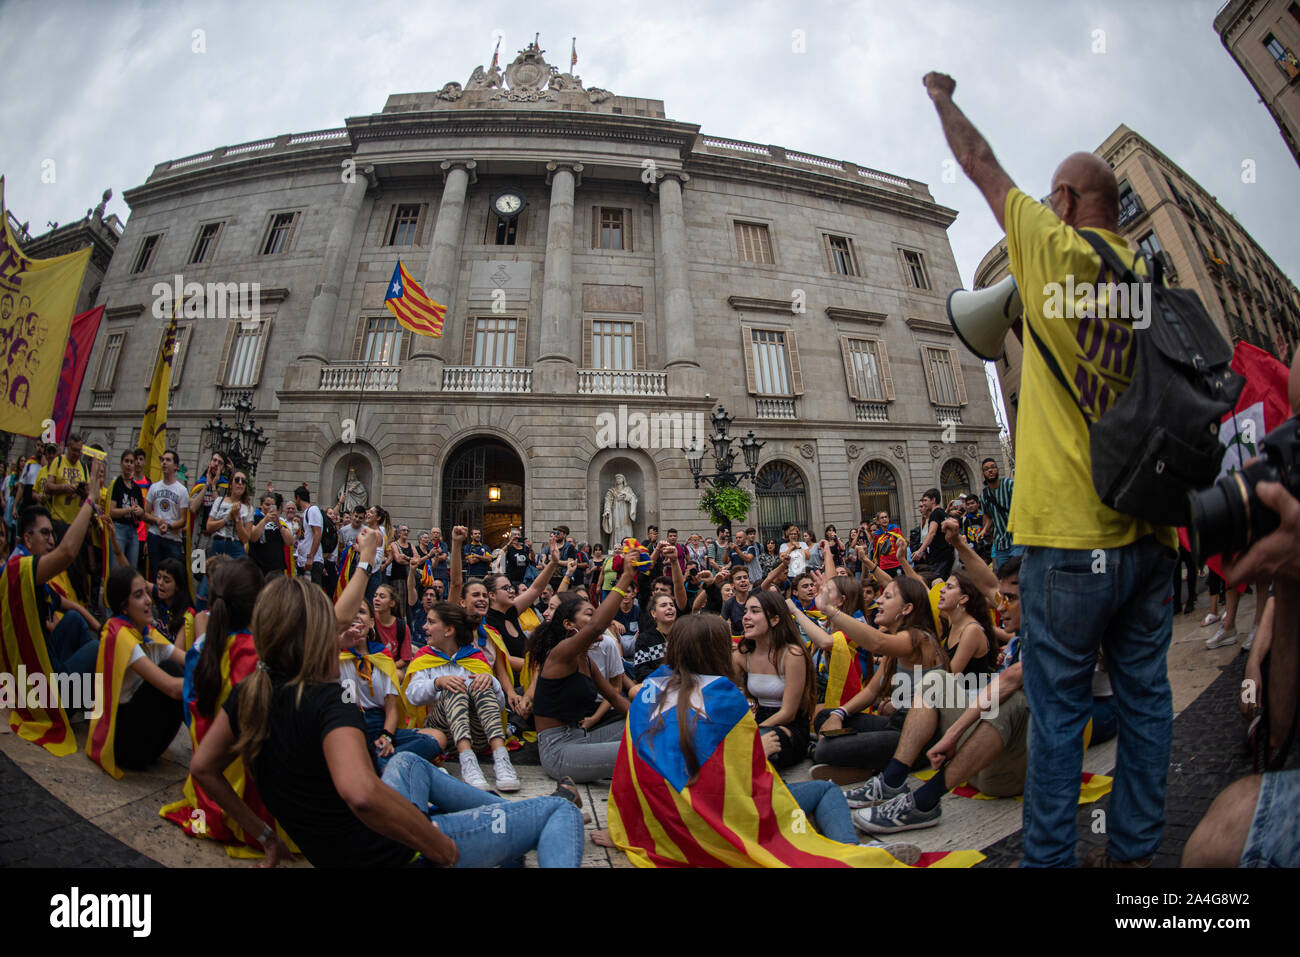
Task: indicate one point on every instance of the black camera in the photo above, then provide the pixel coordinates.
(1228, 517)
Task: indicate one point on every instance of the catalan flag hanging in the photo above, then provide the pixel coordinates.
(737, 812)
(412, 307)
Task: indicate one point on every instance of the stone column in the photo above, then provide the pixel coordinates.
(684, 374)
(444, 264)
(325, 300)
(557, 359)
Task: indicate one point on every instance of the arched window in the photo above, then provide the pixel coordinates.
(782, 499)
(878, 492)
(954, 480)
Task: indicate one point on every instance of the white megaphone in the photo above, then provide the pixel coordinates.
(982, 317)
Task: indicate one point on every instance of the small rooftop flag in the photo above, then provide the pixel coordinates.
(573, 54)
(413, 309)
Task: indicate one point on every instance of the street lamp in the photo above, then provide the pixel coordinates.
(241, 443)
(723, 458)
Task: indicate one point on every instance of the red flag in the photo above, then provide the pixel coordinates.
(1263, 406)
(75, 359)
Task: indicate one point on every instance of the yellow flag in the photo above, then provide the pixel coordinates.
(153, 427)
(37, 297)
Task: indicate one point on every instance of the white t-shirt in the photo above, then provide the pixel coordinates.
(221, 508)
(607, 656)
(169, 503)
(312, 520)
(369, 696)
(156, 651)
(379, 552)
(798, 558)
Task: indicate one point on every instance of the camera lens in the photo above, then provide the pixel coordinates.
(1218, 523)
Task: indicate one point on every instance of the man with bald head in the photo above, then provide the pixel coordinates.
(1091, 576)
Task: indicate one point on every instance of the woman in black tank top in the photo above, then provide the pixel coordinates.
(970, 644)
(504, 607)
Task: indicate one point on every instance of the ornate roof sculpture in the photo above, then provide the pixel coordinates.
(528, 79)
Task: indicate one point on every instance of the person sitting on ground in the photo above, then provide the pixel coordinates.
(505, 608)
(173, 608)
(843, 669)
(390, 631)
(568, 684)
(651, 636)
(212, 669)
(307, 750)
(143, 681)
(370, 679)
(31, 638)
(682, 728)
(904, 635)
(776, 674)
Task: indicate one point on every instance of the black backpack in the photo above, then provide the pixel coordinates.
(329, 535)
(1160, 439)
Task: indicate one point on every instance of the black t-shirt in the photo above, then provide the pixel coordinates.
(939, 552)
(294, 779)
(734, 612)
(126, 494)
(267, 550)
(516, 564)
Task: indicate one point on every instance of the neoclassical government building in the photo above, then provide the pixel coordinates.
(596, 259)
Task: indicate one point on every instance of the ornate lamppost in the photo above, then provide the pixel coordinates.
(725, 501)
(241, 442)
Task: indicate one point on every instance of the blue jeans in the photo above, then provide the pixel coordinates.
(490, 831)
(1104, 720)
(72, 648)
(162, 548)
(825, 804)
(130, 543)
(1074, 602)
(404, 740)
(1274, 837)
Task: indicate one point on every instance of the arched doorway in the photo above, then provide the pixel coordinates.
(483, 487)
(878, 492)
(954, 480)
(782, 498)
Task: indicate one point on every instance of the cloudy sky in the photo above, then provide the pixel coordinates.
(108, 88)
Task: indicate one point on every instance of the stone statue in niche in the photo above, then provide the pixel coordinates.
(353, 492)
(619, 512)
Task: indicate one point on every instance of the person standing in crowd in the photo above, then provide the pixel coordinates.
(795, 551)
(230, 519)
(518, 557)
(167, 507)
(935, 550)
(475, 555)
(401, 555)
(995, 502)
(126, 509)
(1059, 517)
(313, 525)
(270, 542)
(64, 483)
(143, 483)
(972, 527)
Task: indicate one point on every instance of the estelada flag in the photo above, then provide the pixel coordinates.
(37, 297)
(736, 813)
(75, 359)
(116, 642)
(153, 427)
(22, 645)
(850, 670)
(412, 307)
(1263, 406)
(197, 813)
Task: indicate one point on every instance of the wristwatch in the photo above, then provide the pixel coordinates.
(365, 567)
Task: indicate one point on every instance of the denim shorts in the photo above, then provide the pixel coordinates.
(1274, 839)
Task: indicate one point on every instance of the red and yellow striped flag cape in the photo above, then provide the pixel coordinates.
(196, 813)
(412, 306)
(848, 673)
(737, 813)
(116, 642)
(380, 661)
(347, 565)
(22, 643)
(469, 657)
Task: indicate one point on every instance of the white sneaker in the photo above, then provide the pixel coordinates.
(1209, 619)
(1250, 640)
(470, 772)
(1221, 637)
(504, 771)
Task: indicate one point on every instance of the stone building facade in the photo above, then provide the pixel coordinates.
(1166, 213)
(651, 270)
(1263, 38)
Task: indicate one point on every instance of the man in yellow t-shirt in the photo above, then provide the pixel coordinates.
(1090, 574)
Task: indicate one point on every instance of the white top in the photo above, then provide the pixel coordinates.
(607, 656)
(767, 690)
(131, 681)
(798, 557)
(169, 503)
(379, 552)
(369, 695)
(221, 508)
(420, 689)
(312, 520)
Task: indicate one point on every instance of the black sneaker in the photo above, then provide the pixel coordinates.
(874, 792)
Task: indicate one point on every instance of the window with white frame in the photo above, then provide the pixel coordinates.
(383, 344)
(205, 243)
(839, 250)
(279, 233)
(144, 259)
(914, 263)
(941, 374)
(771, 362)
(753, 244)
(406, 223)
(613, 345)
(864, 365)
(108, 361)
(246, 346)
(494, 341)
